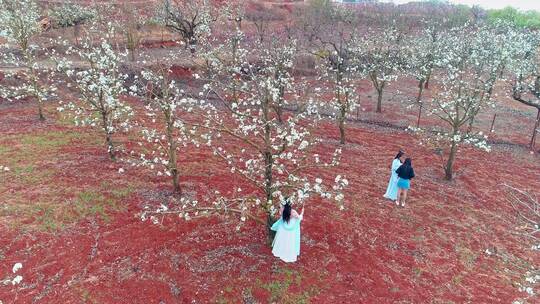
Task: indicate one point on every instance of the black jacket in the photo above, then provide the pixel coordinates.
(405, 172)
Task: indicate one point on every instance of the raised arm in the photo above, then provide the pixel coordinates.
(296, 215)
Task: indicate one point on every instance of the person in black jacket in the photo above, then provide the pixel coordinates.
(405, 173)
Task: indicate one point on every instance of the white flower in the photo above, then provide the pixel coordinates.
(16, 280)
(16, 267)
(121, 170)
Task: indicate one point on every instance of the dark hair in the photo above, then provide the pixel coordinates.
(400, 154)
(287, 212)
(407, 162)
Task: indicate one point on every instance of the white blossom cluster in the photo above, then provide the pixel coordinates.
(424, 52)
(255, 105)
(17, 279)
(442, 139)
(524, 68)
(191, 19)
(532, 279)
(19, 19)
(71, 14)
(341, 75)
(380, 54)
(471, 63)
(19, 24)
(167, 105)
(100, 84)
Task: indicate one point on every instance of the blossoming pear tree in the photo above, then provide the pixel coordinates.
(424, 53)
(19, 23)
(465, 87)
(168, 106)
(380, 56)
(278, 146)
(333, 38)
(72, 15)
(524, 69)
(130, 22)
(265, 136)
(190, 19)
(100, 83)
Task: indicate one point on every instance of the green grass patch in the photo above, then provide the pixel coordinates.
(48, 219)
(279, 288)
(39, 202)
(52, 213)
(466, 256)
(33, 148)
(29, 175)
(4, 149)
(56, 139)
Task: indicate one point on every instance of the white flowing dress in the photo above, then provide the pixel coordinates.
(392, 189)
(286, 245)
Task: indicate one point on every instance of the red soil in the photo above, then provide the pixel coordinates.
(430, 252)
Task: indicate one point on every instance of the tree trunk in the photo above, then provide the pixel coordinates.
(34, 79)
(379, 100)
(268, 189)
(132, 53)
(268, 178)
(271, 233)
(420, 90)
(173, 167)
(419, 115)
(110, 145)
(471, 123)
(40, 111)
(76, 32)
(419, 101)
(342, 130)
(108, 136)
(450, 162)
(493, 123)
(426, 84)
(535, 131)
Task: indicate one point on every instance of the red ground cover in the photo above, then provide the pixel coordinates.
(430, 252)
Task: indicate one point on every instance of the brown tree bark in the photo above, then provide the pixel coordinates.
(448, 170)
(173, 167)
(379, 100)
(419, 100)
(532, 144)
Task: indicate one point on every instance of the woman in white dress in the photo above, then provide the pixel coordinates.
(392, 189)
(286, 245)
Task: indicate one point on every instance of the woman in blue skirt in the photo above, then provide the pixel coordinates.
(405, 173)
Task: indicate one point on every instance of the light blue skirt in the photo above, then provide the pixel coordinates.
(404, 183)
